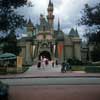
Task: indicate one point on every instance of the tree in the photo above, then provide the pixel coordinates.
(95, 54)
(10, 44)
(91, 15)
(9, 22)
(9, 19)
(91, 18)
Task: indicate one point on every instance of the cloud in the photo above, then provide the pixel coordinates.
(69, 11)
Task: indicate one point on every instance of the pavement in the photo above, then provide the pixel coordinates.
(51, 81)
(49, 71)
(52, 92)
(50, 84)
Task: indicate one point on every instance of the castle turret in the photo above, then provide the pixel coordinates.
(30, 28)
(50, 15)
(58, 25)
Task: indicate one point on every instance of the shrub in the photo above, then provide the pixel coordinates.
(3, 70)
(92, 69)
(77, 68)
(74, 62)
(3, 91)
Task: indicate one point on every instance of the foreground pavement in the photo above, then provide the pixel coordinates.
(55, 92)
(51, 84)
(52, 81)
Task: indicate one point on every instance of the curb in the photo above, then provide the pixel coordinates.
(50, 77)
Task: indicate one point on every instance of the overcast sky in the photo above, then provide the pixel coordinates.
(68, 11)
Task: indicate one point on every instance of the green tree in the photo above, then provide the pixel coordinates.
(9, 19)
(91, 15)
(9, 22)
(95, 54)
(10, 44)
(91, 18)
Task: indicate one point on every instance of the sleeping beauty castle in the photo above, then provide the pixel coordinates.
(44, 41)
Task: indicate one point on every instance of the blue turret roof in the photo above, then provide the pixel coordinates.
(73, 33)
(50, 3)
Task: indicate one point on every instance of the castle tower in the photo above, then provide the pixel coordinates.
(30, 28)
(50, 15)
(58, 25)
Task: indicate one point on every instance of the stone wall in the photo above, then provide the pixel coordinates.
(77, 51)
(68, 52)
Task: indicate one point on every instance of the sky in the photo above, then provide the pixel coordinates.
(68, 11)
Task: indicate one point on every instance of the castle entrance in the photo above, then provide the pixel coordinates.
(45, 54)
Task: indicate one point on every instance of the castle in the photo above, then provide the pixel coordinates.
(43, 40)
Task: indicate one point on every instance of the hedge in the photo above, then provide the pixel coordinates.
(92, 69)
(74, 62)
(4, 71)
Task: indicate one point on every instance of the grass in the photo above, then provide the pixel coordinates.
(4, 71)
(24, 69)
(78, 68)
(92, 69)
(87, 69)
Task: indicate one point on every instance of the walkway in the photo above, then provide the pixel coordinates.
(52, 92)
(49, 71)
(51, 84)
(47, 68)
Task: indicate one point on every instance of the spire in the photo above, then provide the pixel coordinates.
(30, 23)
(77, 32)
(50, 2)
(73, 33)
(58, 25)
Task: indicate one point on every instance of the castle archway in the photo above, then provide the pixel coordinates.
(45, 54)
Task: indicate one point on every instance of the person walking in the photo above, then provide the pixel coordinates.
(39, 64)
(52, 63)
(63, 68)
(56, 62)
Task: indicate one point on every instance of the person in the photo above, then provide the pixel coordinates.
(52, 63)
(63, 68)
(56, 62)
(46, 62)
(43, 62)
(39, 64)
(69, 66)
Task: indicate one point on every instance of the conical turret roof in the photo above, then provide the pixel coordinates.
(73, 33)
(30, 24)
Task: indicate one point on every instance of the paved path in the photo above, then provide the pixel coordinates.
(52, 92)
(47, 68)
(51, 84)
(52, 81)
(49, 72)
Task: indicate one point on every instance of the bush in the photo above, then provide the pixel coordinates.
(93, 63)
(4, 91)
(3, 71)
(24, 69)
(95, 54)
(77, 68)
(12, 70)
(92, 69)
(74, 62)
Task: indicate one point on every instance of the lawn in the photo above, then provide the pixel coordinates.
(78, 68)
(4, 71)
